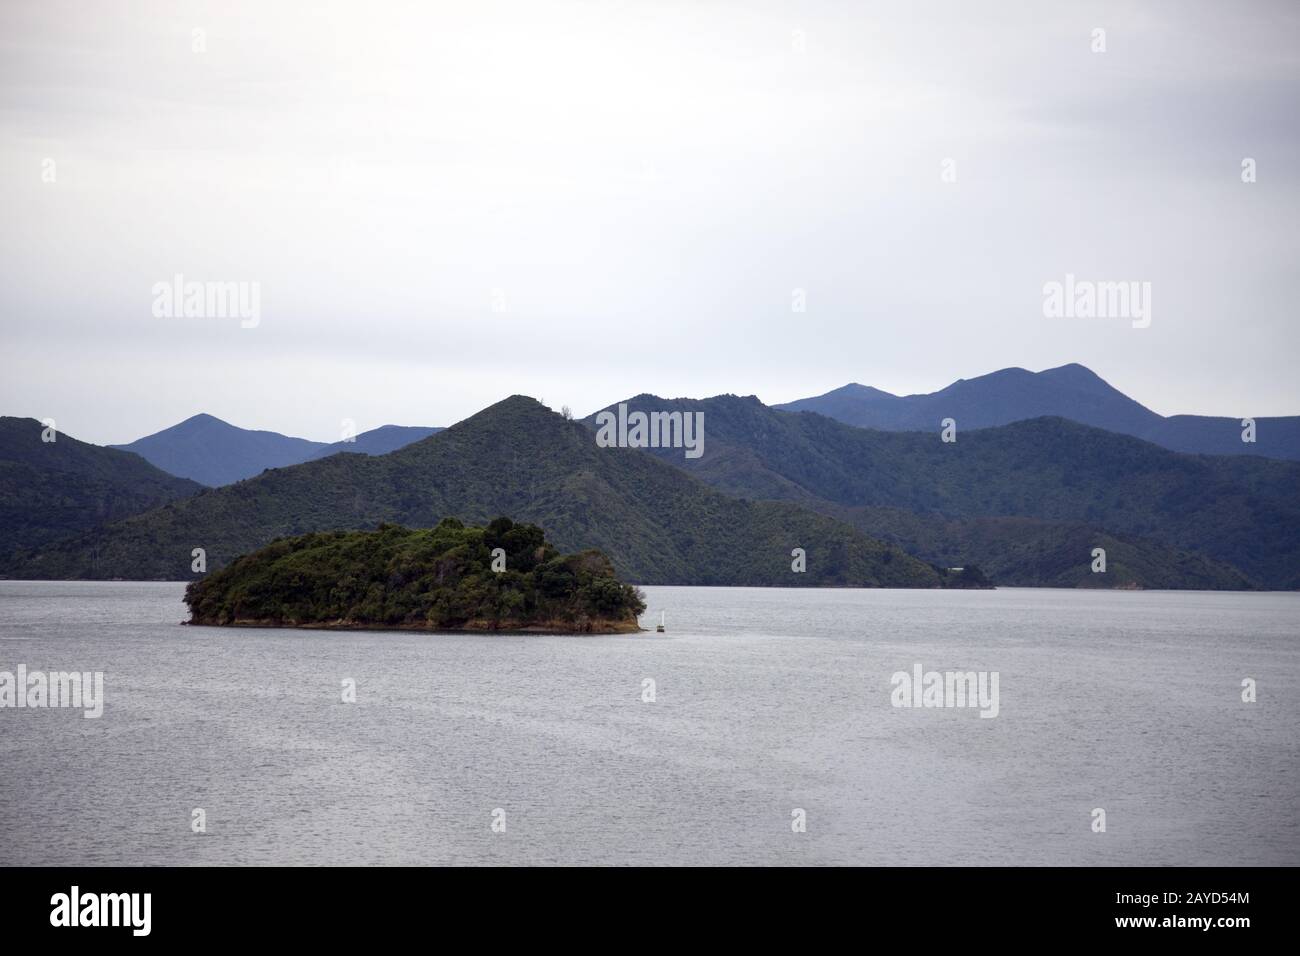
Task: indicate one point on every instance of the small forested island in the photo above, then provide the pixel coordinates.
(970, 577)
(447, 578)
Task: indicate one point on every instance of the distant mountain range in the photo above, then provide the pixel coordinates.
(214, 453)
(377, 441)
(1071, 391)
(1026, 502)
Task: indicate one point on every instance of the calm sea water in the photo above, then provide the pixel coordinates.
(765, 701)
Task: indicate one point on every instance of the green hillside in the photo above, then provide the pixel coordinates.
(52, 489)
(1031, 552)
(658, 525)
(1241, 511)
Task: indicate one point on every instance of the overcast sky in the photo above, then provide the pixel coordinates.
(447, 203)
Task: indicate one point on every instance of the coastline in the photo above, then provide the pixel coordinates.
(470, 627)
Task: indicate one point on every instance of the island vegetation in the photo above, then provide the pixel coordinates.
(502, 577)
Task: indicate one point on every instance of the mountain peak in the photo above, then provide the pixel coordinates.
(210, 451)
(517, 404)
(196, 422)
(856, 388)
(1075, 374)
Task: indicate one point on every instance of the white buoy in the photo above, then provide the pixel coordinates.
(660, 628)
